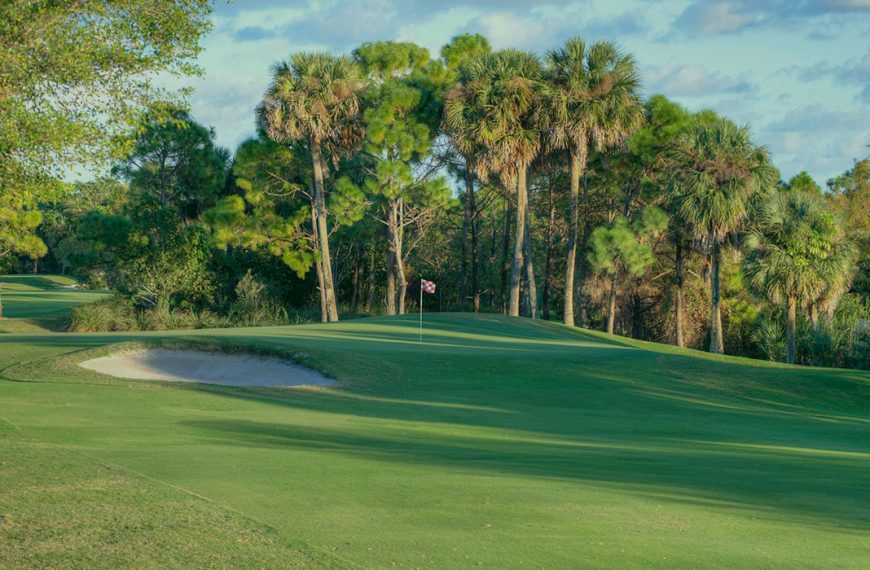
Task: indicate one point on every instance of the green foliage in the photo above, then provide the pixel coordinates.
(798, 250)
(316, 97)
(769, 337)
(391, 59)
(803, 182)
(463, 48)
(253, 306)
(75, 75)
(718, 174)
(114, 313)
(175, 159)
(624, 246)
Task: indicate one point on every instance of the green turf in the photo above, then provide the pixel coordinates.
(497, 443)
(36, 303)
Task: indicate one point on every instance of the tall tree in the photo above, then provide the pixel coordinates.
(592, 102)
(625, 248)
(797, 250)
(719, 172)
(74, 75)
(457, 54)
(404, 190)
(849, 197)
(314, 98)
(175, 159)
(499, 104)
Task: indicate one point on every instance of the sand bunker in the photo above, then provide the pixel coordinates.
(205, 367)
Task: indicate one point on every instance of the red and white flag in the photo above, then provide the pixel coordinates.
(427, 286)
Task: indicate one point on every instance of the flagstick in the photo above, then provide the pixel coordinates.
(421, 312)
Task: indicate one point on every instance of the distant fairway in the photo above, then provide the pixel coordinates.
(497, 443)
(33, 302)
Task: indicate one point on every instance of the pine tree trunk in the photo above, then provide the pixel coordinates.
(791, 325)
(678, 293)
(400, 258)
(370, 301)
(356, 284)
(322, 230)
(548, 262)
(611, 306)
(519, 239)
(716, 341)
(392, 264)
(571, 261)
(529, 260)
(473, 226)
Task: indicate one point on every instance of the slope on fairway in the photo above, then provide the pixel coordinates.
(33, 303)
(496, 443)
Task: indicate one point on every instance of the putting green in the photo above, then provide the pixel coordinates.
(497, 443)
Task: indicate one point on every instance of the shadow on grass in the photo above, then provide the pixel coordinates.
(791, 484)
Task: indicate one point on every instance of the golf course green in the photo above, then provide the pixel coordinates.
(496, 443)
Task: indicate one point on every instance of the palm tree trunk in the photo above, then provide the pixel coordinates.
(551, 223)
(324, 315)
(678, 293)
(791, 325)
(505, 264)
(473, 226)
(584, 303)
(370, 300)
(463, 249)
(529, 261)
(611, 305)
(716, 342)
(322, 231)
(571, 262)
(519, 239)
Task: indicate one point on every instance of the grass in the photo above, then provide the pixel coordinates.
(38, 303)
(497, 443)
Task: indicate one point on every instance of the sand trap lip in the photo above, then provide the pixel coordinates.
(205, 368)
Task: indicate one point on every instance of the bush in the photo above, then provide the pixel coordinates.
(768, 336)
(253, 306)
(115, 313)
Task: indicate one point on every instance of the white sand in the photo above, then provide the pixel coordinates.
(205, 367)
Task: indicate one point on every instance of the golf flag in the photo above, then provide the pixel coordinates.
(425, 287)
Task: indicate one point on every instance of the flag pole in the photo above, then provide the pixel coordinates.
(421, 312)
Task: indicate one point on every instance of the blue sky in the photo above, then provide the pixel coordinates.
(798, 71)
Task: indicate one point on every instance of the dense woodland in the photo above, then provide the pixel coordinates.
(539, 185)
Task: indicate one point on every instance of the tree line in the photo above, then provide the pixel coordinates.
(542, 186)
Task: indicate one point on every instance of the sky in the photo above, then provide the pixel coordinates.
(796, 71)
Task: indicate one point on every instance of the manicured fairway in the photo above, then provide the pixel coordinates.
(497, 443)
(35, 302)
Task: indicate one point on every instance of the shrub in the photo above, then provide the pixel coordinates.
(253, 306)
(769, 338)
(114, 313)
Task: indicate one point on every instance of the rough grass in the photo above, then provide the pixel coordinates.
(495, 443)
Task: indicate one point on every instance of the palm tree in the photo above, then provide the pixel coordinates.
(315, 98)
(457, 54)
(593, 102)
(495, 108)
(797, 252)
(719, 172)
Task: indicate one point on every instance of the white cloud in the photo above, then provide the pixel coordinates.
(676, 79)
